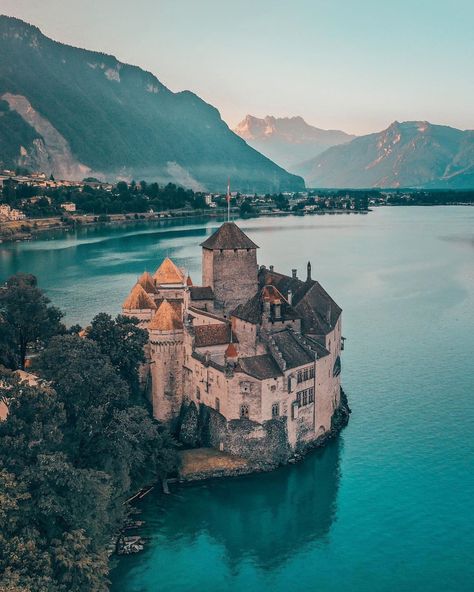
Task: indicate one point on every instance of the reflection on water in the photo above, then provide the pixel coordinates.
(268, 516)
(265, 518)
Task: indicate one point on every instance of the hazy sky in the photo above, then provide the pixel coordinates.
(355, 65)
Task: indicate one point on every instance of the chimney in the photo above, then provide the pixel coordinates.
(293, 273)
(266, 306)
(271, 268)
(290, 297)
(308, 276)
(277, 309)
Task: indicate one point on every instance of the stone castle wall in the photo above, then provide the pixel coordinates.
(232, 274)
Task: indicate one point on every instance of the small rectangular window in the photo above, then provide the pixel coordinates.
(305, 374)
(311, 395)
(298, 398)
(275, 410)
(305, 397)
(218, 404)
(244, 411)
(300, 376)
(311, 372)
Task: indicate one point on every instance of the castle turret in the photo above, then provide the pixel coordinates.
(139, 304)
(229, 267)
(166, 360)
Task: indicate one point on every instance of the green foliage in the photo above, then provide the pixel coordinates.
(246, 208)
(26, 318)
(71, 449)
(122, 340)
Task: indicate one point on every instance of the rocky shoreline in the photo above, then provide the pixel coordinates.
(199, 464)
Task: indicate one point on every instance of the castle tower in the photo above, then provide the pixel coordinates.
(166, 360)
(229, 267)
(139, 304)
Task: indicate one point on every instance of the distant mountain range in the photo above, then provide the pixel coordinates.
(409, 154)
(78, 113)
(288, 140)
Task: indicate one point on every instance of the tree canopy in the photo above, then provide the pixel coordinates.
(26, 317)
(72, 447)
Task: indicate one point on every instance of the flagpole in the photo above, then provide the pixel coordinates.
(228, 200)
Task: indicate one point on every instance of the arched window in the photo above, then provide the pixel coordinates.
(337, 367)
(244, 411)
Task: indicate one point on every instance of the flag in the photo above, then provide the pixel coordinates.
(228, 190)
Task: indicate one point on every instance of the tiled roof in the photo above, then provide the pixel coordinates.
(168, 273)
(146, 282)
(214, 334)
(138, 299)
(252, 310)
(201, 293)
(228, 236)
(292, 350)
(167, 317)
(318, 311)
(261, 367)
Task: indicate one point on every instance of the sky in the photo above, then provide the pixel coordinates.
(355, 65)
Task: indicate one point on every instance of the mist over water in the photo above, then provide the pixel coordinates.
(389, 504)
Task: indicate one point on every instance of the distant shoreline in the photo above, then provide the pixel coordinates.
(38, 226)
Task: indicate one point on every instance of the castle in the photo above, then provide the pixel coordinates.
(250, 361)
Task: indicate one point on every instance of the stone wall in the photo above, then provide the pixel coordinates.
(232, 274)
(264, 444)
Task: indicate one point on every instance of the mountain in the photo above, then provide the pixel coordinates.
(80, 113)
(288, 140)
(409, 154)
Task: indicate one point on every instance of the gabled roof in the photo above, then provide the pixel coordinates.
(261, 367)
(252, 310)
(294, 353)
(146, 282)
(138, 299)
(214, 334)
(228, 236)
(201, 293)
(168, 273)
(317, 310)
(167, 317)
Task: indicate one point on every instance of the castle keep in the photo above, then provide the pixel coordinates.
(250, 361)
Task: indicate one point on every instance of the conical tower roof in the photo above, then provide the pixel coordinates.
(228, 236)
(167, 317)
(138, 299)
(168, 273)
(231, 351)
(146, 282)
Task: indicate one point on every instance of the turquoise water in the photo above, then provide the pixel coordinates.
(387, 506)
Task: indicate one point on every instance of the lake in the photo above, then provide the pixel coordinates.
(389, 505)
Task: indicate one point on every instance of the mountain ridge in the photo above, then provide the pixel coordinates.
(405, 154)
(288, 140)
(117, 120)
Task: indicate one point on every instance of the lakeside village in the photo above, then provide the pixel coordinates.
(32, 202)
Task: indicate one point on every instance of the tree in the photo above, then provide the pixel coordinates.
(26, 318)
(246, 208)
(71, 448)
(122, 340)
